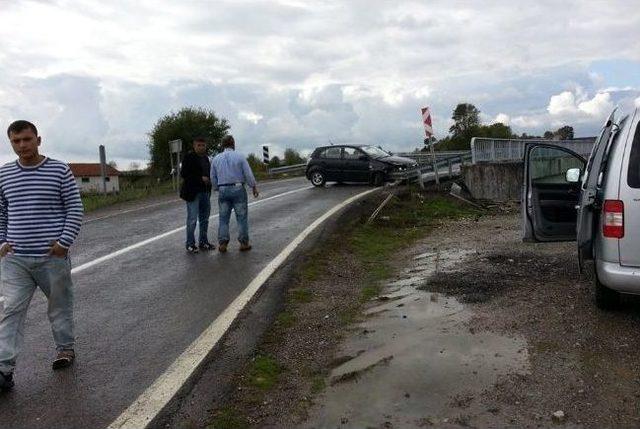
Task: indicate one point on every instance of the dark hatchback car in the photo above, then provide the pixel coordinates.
(354, 163)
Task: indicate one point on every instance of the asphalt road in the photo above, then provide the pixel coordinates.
(136, 312)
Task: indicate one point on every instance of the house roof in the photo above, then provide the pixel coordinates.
(91, 170)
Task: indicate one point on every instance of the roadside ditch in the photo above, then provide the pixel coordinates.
(436, 314)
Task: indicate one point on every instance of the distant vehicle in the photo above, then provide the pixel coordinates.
(594, 201)
(354, 163)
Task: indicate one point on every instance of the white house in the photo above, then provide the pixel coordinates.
(89, 180)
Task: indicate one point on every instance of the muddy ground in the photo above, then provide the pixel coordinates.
(582, 361)
(474, 329)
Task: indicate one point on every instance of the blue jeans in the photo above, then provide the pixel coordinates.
(233, 197)
(20, 275)
(198, 210)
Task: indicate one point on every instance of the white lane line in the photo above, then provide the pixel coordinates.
(127, 249)
(130, 211)
(153, 400)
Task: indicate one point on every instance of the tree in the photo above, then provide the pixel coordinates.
(255, 163)
(292, 157)
(113, 164)
(134, 166)
(564, 133)
(466, 117)
(274, 162)
(548, 135)
(186, 124)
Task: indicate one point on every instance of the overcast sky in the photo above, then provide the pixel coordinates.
(299, 74)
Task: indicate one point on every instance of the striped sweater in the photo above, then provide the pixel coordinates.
(38, 206)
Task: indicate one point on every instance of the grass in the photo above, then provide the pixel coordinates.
(264, 372)
(406, 219)
(301, 295)
(93, 202)
(286, 319)
(402, 222)
(228, 418)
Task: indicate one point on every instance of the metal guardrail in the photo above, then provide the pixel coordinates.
(427, 157)
(287, 169)
(415, 174)
(497, 150)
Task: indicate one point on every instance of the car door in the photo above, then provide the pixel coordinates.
(549, 197)
(331, 163)
(356, 165)
(588, 204)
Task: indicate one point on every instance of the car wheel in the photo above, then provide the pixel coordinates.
(318, 178)
(377, 179)
(606, 299)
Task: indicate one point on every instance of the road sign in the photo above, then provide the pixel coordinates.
(175, 146)
(426, 121)
(265, 154)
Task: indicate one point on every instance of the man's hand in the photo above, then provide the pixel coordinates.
(58, 251)
(255, 192)
(206, 180)
(4, 249)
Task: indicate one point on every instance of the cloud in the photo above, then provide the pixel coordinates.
(295, 73)
(250, 116)
(502, 118)
(637, 102)
(576, 105)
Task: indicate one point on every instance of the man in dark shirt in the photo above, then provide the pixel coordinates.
(196, 191)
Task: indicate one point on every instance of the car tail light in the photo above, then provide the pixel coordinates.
(613, 219)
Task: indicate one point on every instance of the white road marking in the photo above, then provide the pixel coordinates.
(163, 203)
(127, 249)
(153, 400)
(129, 211)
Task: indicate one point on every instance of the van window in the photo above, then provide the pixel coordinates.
(549, 165)
(633, 175)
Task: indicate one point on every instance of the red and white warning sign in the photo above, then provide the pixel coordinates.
(426, 120)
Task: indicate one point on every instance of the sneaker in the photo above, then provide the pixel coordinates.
(64, 359)
(192, 249)
(6, 381)
(207, 246)
(244, 246)
(222, 247)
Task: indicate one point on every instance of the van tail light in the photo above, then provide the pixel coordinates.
(613, 219)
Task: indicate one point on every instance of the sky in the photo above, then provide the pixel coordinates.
(299, 74)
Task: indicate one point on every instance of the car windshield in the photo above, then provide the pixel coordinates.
(374, 151)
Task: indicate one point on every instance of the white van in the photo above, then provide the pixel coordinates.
(594, 201)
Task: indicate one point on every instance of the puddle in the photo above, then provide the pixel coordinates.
(413, 356)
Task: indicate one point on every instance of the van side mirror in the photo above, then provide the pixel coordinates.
(573, 175)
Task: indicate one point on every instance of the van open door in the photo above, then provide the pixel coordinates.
(588, 204)
(551, 188)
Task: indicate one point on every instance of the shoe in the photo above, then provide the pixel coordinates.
(6, 381)
(192, 249)
(65, 359)
(222, 247)
(245, 246)
(207, 246)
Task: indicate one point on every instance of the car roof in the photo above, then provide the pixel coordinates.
(344, 145)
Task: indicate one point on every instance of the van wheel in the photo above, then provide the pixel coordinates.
(606, 299)
(318, 178)
(377, 179)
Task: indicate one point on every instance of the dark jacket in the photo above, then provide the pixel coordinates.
(192, 172)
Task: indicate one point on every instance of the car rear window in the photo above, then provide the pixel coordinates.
(633, 175)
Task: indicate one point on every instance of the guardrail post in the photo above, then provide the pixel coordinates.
(435, 170)
(450, 168)
(420, 181)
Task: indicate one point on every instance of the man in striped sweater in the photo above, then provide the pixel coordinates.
(40, 217)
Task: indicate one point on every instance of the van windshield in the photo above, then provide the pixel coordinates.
(633, 175)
